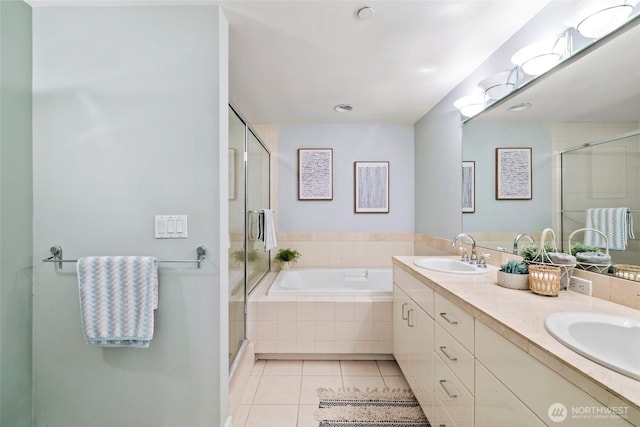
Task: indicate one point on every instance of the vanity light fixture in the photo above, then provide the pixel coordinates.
(500, 84)
(470, 105)
(539, 57)
(597, 18)
(342, 108)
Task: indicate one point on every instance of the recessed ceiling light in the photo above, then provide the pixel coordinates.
(519, 107)
(343, 108)
(365, 13)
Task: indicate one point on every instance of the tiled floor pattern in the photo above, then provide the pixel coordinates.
(282, 393)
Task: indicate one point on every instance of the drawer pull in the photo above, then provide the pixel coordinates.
(443, 349)
(449, 321)
(404, 316)
(453, 396)
(409, 318)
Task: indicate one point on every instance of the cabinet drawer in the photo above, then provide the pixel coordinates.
(456, 357)
(440, 417)
(539, 386)
(497, 406)
(420, 293)
(455, 398)
(455, 321)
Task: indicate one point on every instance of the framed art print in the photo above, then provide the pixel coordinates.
(371, 182)
(315, 174)
(468, 186)
(513, 174)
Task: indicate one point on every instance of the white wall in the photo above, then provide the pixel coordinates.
(350, 143)
(480, 141)
(438, 167)
(130, 121)
(15, 214)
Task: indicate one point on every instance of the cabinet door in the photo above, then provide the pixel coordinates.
(401, 307)
(497, 406)
(421, 355)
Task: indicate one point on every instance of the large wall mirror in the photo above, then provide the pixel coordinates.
(587, 102)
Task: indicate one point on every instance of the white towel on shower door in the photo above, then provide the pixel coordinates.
(270, 241)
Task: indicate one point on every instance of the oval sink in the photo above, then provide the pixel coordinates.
(612, 341)
(448, 265)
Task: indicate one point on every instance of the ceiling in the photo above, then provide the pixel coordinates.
(292, 61)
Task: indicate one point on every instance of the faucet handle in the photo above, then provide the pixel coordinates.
(465, 256)
(482, 263)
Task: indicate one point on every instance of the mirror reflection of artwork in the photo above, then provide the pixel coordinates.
(371, 187)
(513, 173)
(468, 186)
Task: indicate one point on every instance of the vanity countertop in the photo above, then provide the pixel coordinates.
(519, 317)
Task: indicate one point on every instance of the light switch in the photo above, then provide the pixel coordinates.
(171, 227)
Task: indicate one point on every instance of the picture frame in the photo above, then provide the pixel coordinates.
(513, 173)
(315, 174)
(371, 186)
(468, 186)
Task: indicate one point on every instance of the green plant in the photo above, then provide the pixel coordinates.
(287, 255)
(579, 247)
(238, 256)
(515, 267)
(532, 252)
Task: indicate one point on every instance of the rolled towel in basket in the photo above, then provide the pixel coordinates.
(593, 257)
(561, 258)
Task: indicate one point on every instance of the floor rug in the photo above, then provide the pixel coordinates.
(369, 408)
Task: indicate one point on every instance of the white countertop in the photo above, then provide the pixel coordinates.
(519, 316)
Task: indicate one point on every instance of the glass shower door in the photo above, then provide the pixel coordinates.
(237, 131)
(257, 200)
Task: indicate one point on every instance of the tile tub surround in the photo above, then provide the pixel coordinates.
(519, 317)
(319, 325)
(346, 250)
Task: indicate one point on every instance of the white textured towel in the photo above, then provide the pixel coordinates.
(615, 223)
(270, 241)
(118, 296)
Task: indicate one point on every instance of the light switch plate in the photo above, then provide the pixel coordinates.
(171, 227)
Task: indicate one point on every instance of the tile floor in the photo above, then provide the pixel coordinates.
(282, 393)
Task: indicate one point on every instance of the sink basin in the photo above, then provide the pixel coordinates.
(612, 341)
(448, 265)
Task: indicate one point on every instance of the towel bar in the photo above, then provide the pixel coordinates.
(56, 256)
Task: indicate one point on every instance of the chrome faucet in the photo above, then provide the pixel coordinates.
(474, 257)
(517, 239)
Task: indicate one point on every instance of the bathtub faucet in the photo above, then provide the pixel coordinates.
(517, 239)
(461, 236)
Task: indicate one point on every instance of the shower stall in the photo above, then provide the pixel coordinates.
(249, 184)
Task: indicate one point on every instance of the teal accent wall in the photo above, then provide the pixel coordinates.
(131, 121)
(15, 214)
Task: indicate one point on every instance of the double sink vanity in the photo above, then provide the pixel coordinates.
(477, 354)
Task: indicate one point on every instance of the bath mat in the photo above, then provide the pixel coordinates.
(370, 408)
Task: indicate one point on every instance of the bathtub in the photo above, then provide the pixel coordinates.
(333, 282)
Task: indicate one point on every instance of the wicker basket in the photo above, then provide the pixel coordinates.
(544, 279)
(627, 271)
(542, 258)
(598, 268)
(513, 281)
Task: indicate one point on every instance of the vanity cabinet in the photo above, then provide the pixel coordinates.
(413, 329)
(454, 376)
(538, 386)
(465, 374)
